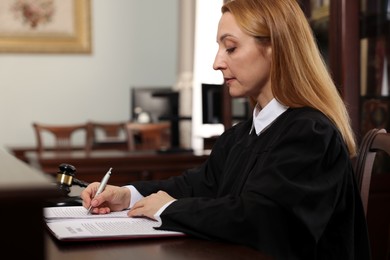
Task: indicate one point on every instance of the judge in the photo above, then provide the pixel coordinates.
(281, 182)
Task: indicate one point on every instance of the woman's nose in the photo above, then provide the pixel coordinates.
(218, 62)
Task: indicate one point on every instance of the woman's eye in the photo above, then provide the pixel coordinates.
(230, 50)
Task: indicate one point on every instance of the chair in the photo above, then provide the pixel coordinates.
(152, 136)
(107, 135)
(61, 135)
(374, 140)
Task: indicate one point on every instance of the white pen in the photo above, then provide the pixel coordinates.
(102, 186)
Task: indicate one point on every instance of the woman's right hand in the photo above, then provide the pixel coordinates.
(113, 198)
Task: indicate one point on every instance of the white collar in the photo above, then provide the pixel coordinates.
(262, 118)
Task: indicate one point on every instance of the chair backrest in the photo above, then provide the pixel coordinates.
(107, 135)
(153, 136)
(374, 140)
(61, 134)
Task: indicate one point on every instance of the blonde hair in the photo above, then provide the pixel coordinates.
(299, 76)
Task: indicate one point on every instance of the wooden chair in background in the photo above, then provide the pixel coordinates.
(107, 135)
(103, 136)
(372, 157)
(152, 136)
(59, 137)
(374, 140)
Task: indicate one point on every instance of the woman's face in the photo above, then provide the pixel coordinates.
(244, 63)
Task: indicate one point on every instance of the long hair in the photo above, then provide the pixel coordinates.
(299, 76)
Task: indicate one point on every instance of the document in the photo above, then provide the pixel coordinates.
(77, 212)
(74, 223)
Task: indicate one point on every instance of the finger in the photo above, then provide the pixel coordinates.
(138, 212)
(104, 210)
(99, 199)
(99, 208)
(137, 205)
(137, 208)
(87, 194)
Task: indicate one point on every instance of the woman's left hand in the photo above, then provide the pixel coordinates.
(149, 205)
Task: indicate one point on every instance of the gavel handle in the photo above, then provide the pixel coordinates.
(80, 182)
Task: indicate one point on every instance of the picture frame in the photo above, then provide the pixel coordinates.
(45, 26)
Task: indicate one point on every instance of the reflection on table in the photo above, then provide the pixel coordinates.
(160, 248)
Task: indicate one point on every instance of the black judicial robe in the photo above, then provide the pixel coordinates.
(289, 192)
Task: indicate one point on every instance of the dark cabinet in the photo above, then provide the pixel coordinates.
(336, 27)
(354, 37)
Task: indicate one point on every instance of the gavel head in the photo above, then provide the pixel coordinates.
(65, 177)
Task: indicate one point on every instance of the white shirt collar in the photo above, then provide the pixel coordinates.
(264, 117)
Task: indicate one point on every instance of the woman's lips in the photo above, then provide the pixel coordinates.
(228, 81)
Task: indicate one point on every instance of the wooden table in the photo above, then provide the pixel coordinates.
(141, 249)
(148, 249)
(127, 166)
(167, 248)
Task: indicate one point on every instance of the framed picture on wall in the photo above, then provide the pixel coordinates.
(45, 26)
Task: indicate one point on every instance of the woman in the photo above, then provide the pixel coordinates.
(281, 182)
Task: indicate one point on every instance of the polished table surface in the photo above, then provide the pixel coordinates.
(162, 248)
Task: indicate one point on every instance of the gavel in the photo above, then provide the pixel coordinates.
(66, 178)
